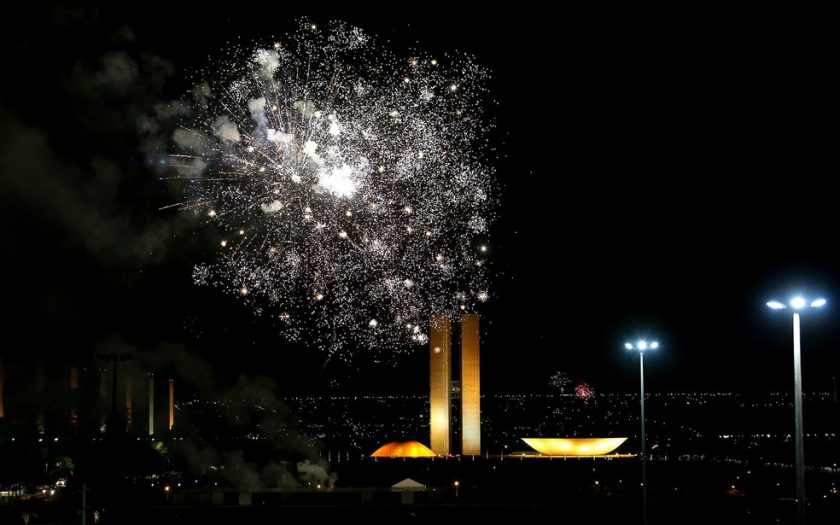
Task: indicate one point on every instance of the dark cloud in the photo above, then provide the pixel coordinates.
(74, 16)
(79, 168)
(124, 35)
(251, 407)
(80, 200)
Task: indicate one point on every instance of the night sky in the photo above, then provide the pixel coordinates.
(660, 175)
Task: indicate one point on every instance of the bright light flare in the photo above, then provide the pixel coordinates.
(798, 302)
(339, 181)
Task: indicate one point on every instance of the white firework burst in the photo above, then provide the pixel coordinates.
(351, 188)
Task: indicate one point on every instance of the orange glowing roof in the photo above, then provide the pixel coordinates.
(574, 446)
(407, 449)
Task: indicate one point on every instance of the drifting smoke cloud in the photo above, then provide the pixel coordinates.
(257, 109)
(312, 473)
(77, 198)
(225, 129)
(189, 140)
(250, 407)
(112, 105)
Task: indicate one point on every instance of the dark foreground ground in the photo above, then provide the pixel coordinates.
(571, 491)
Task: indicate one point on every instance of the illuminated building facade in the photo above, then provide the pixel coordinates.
(441, 385)
(171, 403)
(470, 387)
(408, 449)
(440, 373)
(151, 404)
(574, 446)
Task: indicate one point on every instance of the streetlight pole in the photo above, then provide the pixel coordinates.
(644, 455)
(643, 346)
(798, 303)
(799, 439)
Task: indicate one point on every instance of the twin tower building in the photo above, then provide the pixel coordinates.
(444, 389)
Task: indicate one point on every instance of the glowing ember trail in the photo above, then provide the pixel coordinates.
(350, 188)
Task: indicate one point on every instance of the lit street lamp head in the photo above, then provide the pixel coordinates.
(642, 345)
(797, 303)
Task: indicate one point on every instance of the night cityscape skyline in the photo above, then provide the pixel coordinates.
(691, 258)
(604, 178)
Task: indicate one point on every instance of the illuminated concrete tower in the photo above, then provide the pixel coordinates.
(151, 404)
(171, 403)
(440, 359)
(470, 387)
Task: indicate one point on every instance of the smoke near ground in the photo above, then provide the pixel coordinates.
(244, 435)
(95, 262)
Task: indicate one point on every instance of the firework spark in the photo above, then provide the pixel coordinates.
(584, 392)
(350, 188)
(560, 380)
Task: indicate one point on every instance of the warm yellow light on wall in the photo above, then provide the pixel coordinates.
(440, 373)
(574, 446)
(408, 449)
(470, 386)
